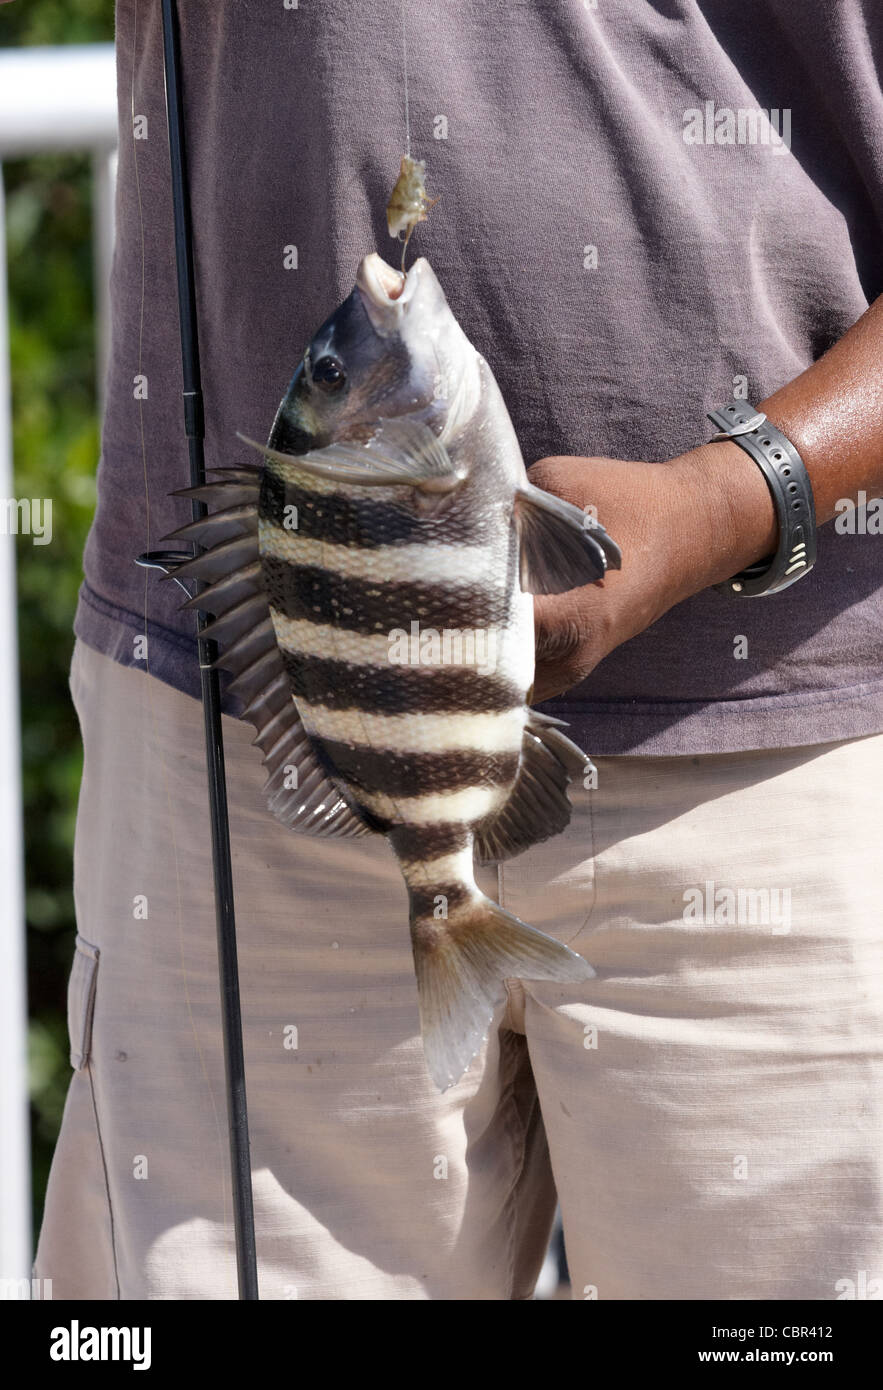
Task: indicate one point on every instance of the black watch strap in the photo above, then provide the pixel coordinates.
(789, 483)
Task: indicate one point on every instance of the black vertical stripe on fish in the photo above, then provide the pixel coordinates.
(342, 685)
(318, 595)
(421, 843)
(358, 521)
(400, 773)
(423, 899)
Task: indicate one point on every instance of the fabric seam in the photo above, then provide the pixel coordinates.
(113, 1244)
(593, 887)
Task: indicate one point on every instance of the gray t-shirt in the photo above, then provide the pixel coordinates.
(643, 207)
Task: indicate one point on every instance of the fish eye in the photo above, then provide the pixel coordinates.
(328, 374)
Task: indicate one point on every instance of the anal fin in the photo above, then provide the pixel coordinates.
(538, 806)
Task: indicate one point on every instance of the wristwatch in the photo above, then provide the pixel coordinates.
(790, 485)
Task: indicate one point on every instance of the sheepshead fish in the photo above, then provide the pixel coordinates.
(371, 589)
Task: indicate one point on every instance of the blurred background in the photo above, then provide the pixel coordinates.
(53, 351)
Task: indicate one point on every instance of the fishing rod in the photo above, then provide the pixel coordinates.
(194, 425)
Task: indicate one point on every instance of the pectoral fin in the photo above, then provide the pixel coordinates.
(561, 547)
(403, 452)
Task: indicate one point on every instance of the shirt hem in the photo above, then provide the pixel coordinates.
(628, 728)
(605, 728)
(171, 656)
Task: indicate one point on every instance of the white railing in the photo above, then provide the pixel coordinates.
(51, 99)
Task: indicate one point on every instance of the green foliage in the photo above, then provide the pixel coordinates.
(56, 442)
(28, 22)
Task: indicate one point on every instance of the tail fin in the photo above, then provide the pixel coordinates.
(461, 965)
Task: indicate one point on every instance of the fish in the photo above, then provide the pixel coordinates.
(371, 587)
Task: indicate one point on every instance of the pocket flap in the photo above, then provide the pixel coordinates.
(81, 1001)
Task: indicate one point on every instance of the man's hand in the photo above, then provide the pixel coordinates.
(678, 531)
(698, 519)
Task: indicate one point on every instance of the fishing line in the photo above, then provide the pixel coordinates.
(405, 65)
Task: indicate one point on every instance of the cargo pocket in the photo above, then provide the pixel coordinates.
(81, 1001)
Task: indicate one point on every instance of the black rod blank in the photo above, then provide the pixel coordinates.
(234, 1059)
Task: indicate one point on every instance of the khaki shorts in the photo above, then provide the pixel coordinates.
(708, 1109)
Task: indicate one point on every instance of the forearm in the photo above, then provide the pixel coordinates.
(833, 414)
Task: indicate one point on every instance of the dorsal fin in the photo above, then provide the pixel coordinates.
(243, 630)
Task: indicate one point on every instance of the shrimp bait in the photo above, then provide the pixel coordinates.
(408, 202)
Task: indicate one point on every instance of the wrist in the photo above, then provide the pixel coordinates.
(732, 516)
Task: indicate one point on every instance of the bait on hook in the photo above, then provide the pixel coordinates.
(408, 201)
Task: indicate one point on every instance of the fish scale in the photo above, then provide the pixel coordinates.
(372, 589)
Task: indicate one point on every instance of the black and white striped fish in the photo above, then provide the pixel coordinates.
(372, 590)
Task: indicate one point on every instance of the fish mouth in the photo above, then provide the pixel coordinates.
(385, 291)
(381, 282)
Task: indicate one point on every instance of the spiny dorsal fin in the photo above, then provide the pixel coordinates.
(247, 649)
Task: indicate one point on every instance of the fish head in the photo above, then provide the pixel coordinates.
(392, 348)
